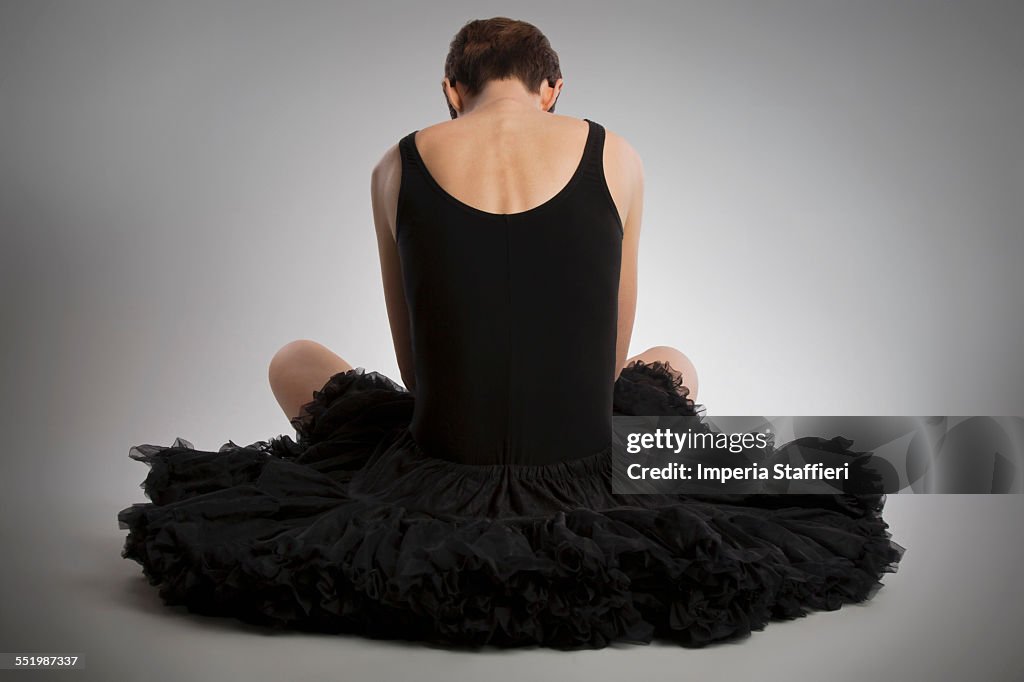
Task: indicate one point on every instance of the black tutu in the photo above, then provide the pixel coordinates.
(352, 528)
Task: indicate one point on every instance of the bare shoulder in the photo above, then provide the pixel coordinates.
(620, 153)
(385, 184)
(388, 165)
(624, 174)
(438, 131)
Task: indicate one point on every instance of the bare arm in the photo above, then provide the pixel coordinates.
(385, 182)
(625, 176)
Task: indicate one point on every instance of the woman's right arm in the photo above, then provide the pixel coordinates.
(624, 174)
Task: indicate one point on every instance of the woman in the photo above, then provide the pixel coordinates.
(474, 506)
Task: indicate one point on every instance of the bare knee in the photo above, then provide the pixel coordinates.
(678, 361)
(292, 355)
(299, 369)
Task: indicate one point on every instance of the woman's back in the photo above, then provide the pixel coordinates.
(513, 313)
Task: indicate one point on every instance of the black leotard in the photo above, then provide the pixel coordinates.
(501, 303)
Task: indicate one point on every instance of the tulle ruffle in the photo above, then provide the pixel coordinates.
(352, 529)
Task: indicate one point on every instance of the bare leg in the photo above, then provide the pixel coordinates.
(298, 369)
(677, 360)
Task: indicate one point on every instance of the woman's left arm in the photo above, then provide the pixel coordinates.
(385, 182)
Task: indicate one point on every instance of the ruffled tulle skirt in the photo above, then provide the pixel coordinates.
(352, 528)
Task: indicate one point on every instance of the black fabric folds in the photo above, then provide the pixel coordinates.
(351, 528)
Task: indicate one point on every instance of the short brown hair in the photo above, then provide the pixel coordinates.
(500, 48)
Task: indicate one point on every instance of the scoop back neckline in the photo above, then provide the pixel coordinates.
(479, 211)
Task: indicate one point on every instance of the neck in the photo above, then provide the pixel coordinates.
(499, 95)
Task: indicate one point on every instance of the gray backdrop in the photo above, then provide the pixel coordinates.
(833, 225)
